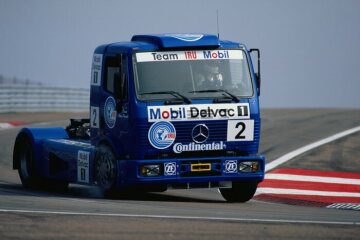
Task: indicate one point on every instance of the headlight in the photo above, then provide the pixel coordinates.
(250, 166)
(150, 170)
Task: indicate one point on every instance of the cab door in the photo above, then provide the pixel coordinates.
(115, 98)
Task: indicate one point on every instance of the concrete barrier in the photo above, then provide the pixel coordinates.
(25, 97)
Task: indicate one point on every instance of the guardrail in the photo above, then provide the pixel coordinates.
(20, 97)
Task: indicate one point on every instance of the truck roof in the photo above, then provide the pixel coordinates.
(156, 42)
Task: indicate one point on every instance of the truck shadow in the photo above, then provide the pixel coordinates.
(163, 197)
(78, 191)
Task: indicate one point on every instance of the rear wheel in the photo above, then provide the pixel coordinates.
(26, 168)
(26, 164)
(240, 191)
(105, 170)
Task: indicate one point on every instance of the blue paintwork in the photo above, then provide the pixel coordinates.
(56, 141)
(66, 150)
(37, 137)
(164, 41)
(128, 138)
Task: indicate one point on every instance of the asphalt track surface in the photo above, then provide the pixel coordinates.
(81, 213)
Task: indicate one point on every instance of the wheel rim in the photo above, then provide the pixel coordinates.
(105, 171)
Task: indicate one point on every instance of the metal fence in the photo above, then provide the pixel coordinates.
(27, 97)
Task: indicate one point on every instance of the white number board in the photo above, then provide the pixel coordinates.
(240, 130)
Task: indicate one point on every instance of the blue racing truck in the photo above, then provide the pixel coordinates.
(166, 111)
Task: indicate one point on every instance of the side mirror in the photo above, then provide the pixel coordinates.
(257, 74)
(258, 82)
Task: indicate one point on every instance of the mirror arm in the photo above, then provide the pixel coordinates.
(258, 75)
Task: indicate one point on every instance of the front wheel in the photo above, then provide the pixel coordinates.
(105, 170)
(239, 192)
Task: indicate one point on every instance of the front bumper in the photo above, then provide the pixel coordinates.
(188, 172)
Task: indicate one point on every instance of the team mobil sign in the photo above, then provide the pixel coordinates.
(189, 55)
(198, 112)
(162, 133)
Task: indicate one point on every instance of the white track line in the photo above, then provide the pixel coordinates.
(180, 217)
(309, 147)
(286, 191)
(302, 178)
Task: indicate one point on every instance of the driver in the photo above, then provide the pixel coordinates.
(210, 78)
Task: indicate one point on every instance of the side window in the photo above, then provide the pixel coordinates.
(116, 78)
(112, 70)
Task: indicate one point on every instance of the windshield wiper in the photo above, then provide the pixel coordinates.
(233, 97)
(175, 94)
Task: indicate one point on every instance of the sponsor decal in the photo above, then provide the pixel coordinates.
(83, 166)
(230, 166)
(170, 169)
(189, 55)
(179, 147)
(96, 69)
(110, 112)
(162, 135)
(164, 56)
(216, 54)
(198, 112)
(186, 37)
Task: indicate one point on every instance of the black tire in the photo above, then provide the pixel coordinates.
(26, 163)
(105, 171)
(240, 191)
(26, 167)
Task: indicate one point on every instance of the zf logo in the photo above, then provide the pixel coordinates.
(170, 169)
(231, 166)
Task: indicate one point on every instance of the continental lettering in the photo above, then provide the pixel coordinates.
(191, 147)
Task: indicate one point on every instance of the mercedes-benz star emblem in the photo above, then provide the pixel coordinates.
(200, 133)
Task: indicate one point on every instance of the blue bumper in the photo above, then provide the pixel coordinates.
(175, 171)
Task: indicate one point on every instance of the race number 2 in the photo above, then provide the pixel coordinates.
(240, 130)
(94, 117)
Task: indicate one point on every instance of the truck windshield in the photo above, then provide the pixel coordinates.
(192, 74)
